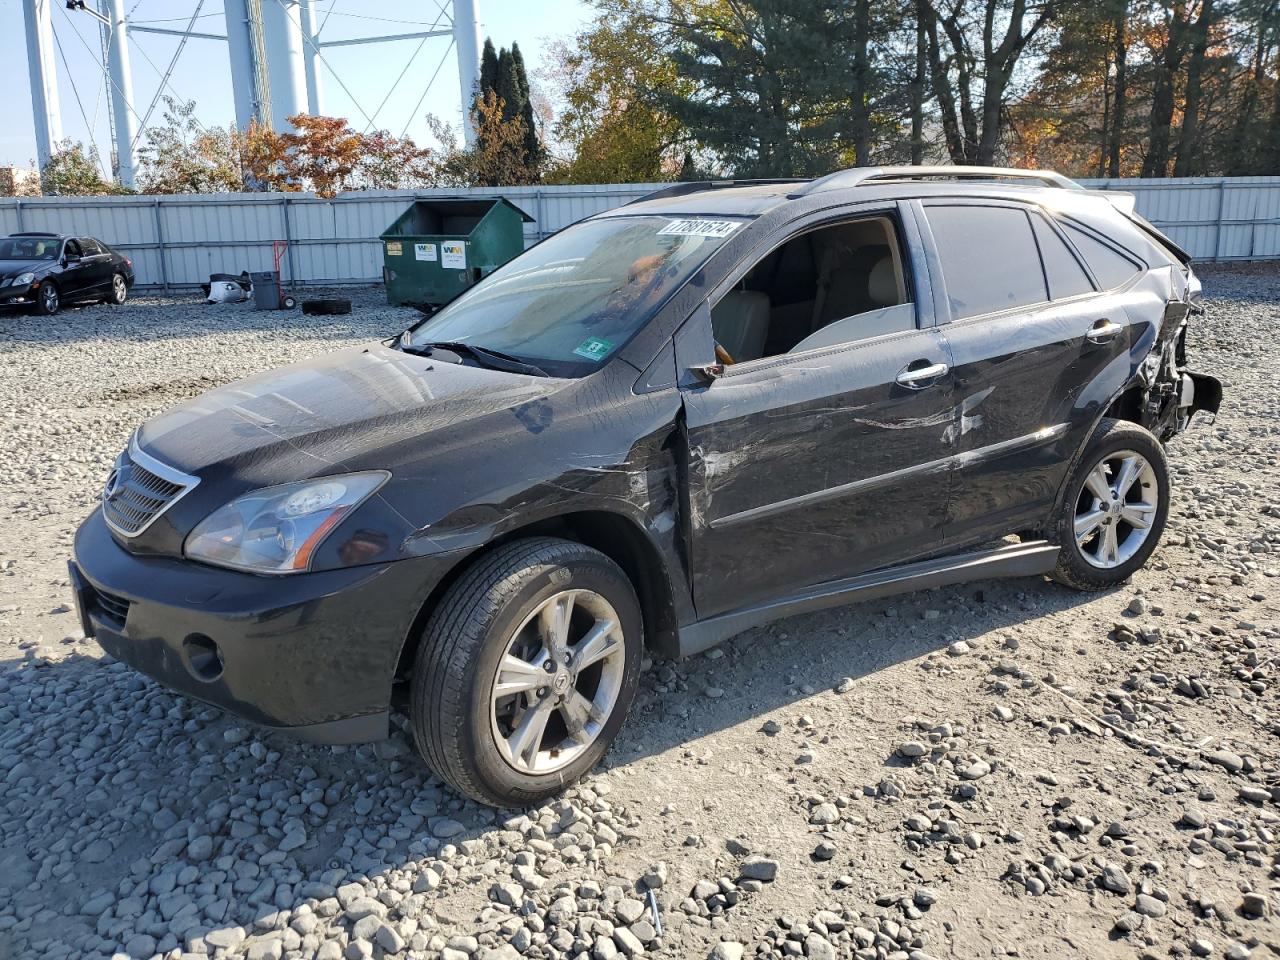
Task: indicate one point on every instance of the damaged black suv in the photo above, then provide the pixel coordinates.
(720, 405)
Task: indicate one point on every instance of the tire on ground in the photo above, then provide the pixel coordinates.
(1111, 436)
(466, 635)
(327, 306)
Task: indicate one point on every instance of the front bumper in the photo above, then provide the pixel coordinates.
(312, 653)
(18, 295)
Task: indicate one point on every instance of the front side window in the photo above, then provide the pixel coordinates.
(574, 300)
(73, 249)
(830, 285)
(989, 258)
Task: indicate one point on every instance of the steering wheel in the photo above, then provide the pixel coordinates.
(723, 356)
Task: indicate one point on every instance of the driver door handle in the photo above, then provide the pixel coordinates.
(920, 376)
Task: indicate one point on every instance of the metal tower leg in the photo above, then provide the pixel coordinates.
(44, 78)
(282, 33)
(311, 58)
(466, 37)
(123, 117)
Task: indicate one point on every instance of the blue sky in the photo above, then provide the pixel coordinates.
(202, 75)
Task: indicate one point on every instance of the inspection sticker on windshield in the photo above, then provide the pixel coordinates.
(699, 228)
(594, 348)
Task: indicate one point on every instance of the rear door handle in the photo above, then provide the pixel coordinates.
(1103, 331)
(919, 377)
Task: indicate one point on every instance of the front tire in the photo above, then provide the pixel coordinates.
(48, 301)
(1115, 508)
(526, 670)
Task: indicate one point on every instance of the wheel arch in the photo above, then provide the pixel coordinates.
(618, 537)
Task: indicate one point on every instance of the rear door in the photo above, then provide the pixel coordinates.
(1037, 347)
(823, 463)
(99, 264)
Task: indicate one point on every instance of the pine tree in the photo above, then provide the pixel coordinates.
(508, 86)
(778, 88)
(488, 70)
(532, 145)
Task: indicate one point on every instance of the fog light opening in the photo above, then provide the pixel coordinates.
(203, 658)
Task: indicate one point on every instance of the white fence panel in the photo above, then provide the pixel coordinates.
(177, 241)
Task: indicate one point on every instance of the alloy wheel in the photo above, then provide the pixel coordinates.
(1115, 509)
(119, 290)
(49, 297)
(558, 682)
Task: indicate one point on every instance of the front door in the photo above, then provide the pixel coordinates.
(76, 277)
(823, 452)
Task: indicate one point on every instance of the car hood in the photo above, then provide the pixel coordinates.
(342, 409)
(11, 268)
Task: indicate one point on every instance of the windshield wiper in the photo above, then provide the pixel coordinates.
(494, 359)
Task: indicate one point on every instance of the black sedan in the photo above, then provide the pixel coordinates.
(48, 270)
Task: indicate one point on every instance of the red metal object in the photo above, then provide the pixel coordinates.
(278, 248)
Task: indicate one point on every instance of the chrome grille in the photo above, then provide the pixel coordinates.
(139, 489)
(117, 608)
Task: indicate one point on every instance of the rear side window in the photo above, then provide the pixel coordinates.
(1111, 267)
(90, 246)
(1066, 277)
(989, 258)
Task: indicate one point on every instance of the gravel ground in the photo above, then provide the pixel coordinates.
(1003, 769)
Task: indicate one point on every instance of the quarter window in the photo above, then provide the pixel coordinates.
(1066, 277)
(989, 258)
(1113, 269)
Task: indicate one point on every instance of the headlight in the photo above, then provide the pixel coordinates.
(22, 278)
(277, 529)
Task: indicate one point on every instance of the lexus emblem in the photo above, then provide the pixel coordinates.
(115, 480)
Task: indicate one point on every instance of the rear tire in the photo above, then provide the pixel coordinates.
(119, 291)
(1115, 508)
(48, 300)
(493, 699)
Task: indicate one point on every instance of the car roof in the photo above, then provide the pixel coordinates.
(755, 197)
(38, 234)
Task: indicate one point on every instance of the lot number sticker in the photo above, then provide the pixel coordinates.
(394, 249)
(424, 251)
(453, 255)
(699, 228)
(594, 348)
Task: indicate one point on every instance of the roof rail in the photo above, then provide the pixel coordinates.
(862, 175)
(698, 186)
(35, 233)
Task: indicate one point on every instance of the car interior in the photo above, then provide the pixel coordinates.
(832, 285)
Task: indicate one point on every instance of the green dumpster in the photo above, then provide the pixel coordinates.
(437, 248)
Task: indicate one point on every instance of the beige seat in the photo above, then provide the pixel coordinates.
(740, 323)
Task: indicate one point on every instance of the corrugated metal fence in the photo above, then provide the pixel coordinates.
(177, 241)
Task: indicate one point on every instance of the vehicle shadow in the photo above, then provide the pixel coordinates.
(111, 782)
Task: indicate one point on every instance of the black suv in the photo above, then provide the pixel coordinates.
(720, 405)
(48, 270)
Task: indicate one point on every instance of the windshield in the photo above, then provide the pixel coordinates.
(30, 248)
(572, 301)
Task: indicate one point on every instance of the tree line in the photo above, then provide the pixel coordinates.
(654, 90)
(763, 88)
